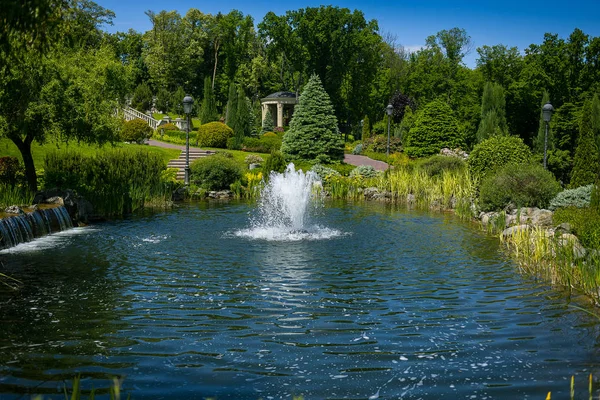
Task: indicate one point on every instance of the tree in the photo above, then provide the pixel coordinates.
(586, 163)
(209, 106)
(313, 132)
(142, 97)
(455, 43)
(164, 101)
(242, 123)
(268, 124)
(401, 102)
(595, 118)
(366, 128)
(493, 112)
(231, 111)
(499, 64)
(435, 127)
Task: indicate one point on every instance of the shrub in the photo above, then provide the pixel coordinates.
(253, 159)
(435, 127)
(11, 171)
(366, 171)
(136, 131)
(379, 128)
(275, 162)
(263, 145)
(216, 172)
(270, 134)
(436, 165)
(214, 134)
(579, 198)
(168, 127)
(524, 185)
(496, 152)
(585, 223)
(378, 144)
(357, 149)
(324, 172)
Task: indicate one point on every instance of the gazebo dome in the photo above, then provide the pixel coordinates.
(280, 95)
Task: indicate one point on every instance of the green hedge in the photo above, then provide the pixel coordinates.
(216, 172)
(214, 134)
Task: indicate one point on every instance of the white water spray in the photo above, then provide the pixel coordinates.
(285, 207)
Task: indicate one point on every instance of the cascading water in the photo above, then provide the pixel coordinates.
(28, 226)
(285, 208)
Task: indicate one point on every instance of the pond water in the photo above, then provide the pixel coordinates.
(186, 305)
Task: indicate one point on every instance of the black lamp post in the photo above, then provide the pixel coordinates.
(389, 110)
(188, 102)
(547, 114)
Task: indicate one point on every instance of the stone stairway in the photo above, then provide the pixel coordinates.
(179, 163)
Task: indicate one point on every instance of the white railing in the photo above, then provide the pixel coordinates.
(131, 113)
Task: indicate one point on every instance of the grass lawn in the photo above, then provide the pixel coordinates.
(7, 148)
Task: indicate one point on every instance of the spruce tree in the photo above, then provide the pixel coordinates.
(268, 124)
(209, 105)
(493, 112)
(586, 163)
(231, 112)
(538, 142)
(314, 132)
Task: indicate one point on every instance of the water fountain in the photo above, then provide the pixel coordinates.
(286, 207)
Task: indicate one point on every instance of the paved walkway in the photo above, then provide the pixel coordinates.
(348, 158)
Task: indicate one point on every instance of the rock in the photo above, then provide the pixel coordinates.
(541, 217)
(410, 199)
(80, 210)
(508, 232)
(567, 240)
(487, 218)
(253, 166)
(179, 194)
(565, 227)
(13, 210)
(370, 193)
(55, 200)
(221, 194)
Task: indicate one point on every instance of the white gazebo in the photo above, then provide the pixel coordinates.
(281, 105)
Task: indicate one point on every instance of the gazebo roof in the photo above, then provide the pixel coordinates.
(280, 95)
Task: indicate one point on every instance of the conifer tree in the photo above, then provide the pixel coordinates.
(595, 118)
(314, 132)
(493, 112)
(268, 124)
(241, 125)
(209, 105)
(366, 128)
(538, 143)
(586, 164)
(231, 112)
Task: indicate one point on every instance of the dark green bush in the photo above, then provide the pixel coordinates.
(436, 165)
(496, 152)
(585, 223)
(215, 172)
(524, 185)
(265, 144)
(11, 171)
(136, 131)
(275, 162)
(214, 134)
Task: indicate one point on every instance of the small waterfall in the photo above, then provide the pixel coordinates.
(285, 206)
(26, 227)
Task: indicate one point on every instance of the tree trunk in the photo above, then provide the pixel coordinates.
(24, 147)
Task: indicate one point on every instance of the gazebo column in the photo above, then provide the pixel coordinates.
(265, 108)
(280, 115)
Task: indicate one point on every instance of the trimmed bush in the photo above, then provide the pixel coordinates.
(496, 152)
(366, 171)
(215, 172)
(168, 127)
(270, 134)
(436, 165)
(435, 127)
(524, 185)
(214, 134)
(136, 131)
(263, 145)
(579, 198)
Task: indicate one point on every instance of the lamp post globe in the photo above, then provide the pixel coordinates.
(547, 110)
(188, 103)
(389, 110)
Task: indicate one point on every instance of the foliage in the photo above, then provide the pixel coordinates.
(215, 172)
(578, 197)
(264, 144)
(209, 106)
(365, 171)
(436, 165)
(116, 182)
(493, 112)
(586, 163)
(585, 223)
(164, 101)
(242, 124)
(524, 185)
(401, 103)
(357, 149)
(435, 127)
(136, 131)
(275, 162)
(253, 159)
(366, 128)
(402, 130)
(142, 97)
(324, 172)
(313, 133)
(231, 110)
(271, 134)
(11, 171)
(268, 125)
(168, 127)
(495, 152)
(214, 134)
(378, 144)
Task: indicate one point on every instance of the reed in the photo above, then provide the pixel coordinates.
(14, 195)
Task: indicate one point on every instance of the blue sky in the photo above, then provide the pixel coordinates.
(508, 22)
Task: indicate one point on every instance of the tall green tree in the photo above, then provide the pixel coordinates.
(242, 125)
(231, 111)
(313, 132)
(268, 124)
(538, 145)
(209, 106)
(493, 112)
(586, 163)
(142, 97)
